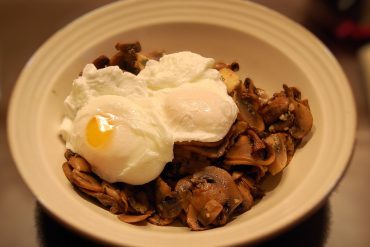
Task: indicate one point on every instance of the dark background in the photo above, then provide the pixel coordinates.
(344, 220)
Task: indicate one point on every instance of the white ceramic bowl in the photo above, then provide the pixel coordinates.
(270, 48)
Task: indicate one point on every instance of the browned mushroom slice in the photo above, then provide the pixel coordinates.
(209, 212)
(290, 145)
(211, 183)
(185, 162)
(219, 65)
(101, 62)
(229, 78)
(124, 201)
(300, 109)
(244, 189)
(79, 163)
(155, 219)
(242, 154)
(192, 219)
(292, 92)
(68, 154)
(126, 57)
(141, 61)
(277, 142)
(167, 202)
(89, 192)
(257, 172)
(248, 103)
(211, 150)
(137, 199)
(302, 120)
(237, 174)
(119, 205)
(105, 199)
(214, 183)
(163, 190)
(258, 144)
(111, 190)
(183, 190)
(67, 171)
(134, 218)
(234, 66)
(274, 108)
(286, 112)
(114, 206)
(283, 124)
(85, 181)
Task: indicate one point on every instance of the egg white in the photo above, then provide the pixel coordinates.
(139, 146)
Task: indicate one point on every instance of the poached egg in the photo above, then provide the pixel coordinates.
(125, 125)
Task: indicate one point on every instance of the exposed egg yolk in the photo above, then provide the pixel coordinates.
(99, 130)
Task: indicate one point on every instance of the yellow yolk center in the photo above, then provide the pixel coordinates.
(99, 131)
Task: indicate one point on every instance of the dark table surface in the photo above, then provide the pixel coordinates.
(344, 220)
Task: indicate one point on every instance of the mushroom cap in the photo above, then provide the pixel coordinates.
(211, 197)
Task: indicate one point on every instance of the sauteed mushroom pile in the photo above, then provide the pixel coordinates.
(206, 184)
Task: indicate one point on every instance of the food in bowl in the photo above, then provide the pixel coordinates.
(165, 137)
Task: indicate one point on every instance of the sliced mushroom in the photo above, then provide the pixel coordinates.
(210, 150)
(286, 112)
(290, 145)
(159, 221)
(137, 199)
(219, 65)
(256, 191)
(119, 205)
(302, 120)
(68, 154)
(242, 154)
(124, 201)
(105, 199)
(248, 103)
(186, 162)
(126, 57)
(101, 62)
(214, 183)
(67, 171)
(192, 219)
(141, 61)
(85, 181)
(283, 124)
(277, 142)
(116, 209)
(79, 163)
(209, 184)
(237, 174)
(167, 202)
(230, 79)
(292, 92)
(114, 206)
(209, 212)
(183, 189)
(111, 190)
(246, 194)
(274, 108)
(134, 218)
(258, 144)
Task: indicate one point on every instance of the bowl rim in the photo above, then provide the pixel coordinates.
(12, 115)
